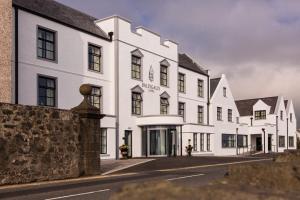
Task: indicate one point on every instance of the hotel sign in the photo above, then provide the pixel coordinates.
(151, 86)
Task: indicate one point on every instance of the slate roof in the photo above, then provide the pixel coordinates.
(213, 85)
(245, 106)
(186, 62)
(62, 14)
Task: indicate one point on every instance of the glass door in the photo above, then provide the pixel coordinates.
(128, 142)
(157, 141)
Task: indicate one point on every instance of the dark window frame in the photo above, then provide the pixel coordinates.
(260, 115)
(164, 106)
(181, 109)
(164, 75)
(291, 141)
(228, 140)
(181, 82)
(240, 140)
(281, 115)
(219, 113)
(224, 91)
(229, 115)
(200, 88)
(103, 131)
(291, 117)
(94, 95)
(46, 88)
(281, 142)
(208, 140)
(202, 142)
(200, 115)
(195, 142)
(45, 43)
(136, 67)
(93, 54)
(136, 103)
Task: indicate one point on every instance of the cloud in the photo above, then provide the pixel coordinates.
(256, 43)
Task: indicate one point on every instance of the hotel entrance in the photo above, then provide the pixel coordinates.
(159, 141)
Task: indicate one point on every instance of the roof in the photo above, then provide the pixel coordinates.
(245, 106)
(62, 14)
(186, 62)
(213, 85)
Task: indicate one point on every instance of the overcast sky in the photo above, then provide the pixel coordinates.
(256, 43)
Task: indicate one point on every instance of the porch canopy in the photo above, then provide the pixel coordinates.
(159, 120)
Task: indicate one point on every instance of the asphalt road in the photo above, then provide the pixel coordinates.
(190, 172)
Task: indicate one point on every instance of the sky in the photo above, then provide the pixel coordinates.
(256, 43)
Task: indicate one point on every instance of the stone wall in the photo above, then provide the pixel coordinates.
(5, 50)
(38, 143)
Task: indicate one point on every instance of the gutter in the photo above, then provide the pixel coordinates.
(287, 133)
(277, 134)
(208, 98)
(16, 55)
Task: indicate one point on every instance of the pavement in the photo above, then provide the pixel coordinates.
(190, 172)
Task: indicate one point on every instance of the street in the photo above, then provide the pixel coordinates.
(190, 172)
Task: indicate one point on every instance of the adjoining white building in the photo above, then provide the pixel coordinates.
(155, 100)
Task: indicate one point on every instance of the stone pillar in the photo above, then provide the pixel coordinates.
(5, 50)
(90, 116)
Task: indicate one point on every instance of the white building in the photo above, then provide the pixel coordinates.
(155, 100)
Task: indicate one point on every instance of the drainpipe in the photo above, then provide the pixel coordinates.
(287, 133)
(263, 130)
(208, 99)
(277, 134)
(237, 132)
(251, 121)
(180, 140)
(16, 55)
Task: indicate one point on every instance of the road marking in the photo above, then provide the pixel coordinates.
(212, 165)
(183, 177)
(79, 194)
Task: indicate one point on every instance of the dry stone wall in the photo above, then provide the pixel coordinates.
(38, 143)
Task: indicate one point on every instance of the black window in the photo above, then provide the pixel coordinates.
(242, 140)
(181, 108)
(224, 91)
(163, 75)
(164, 105)
(219, 113)
(95, 97)
(200, 88)
(281, 115)
(260, 114)
(281, 141)
(228, 140)
(136, 103)
(195, 141)
(291, 117)
(136, 67)
(103, 141)
(94, 58)
(46, 44)
(291, 141)
(208, 142)
(201, 141)
(229, 115)
(46, 91)
(181, 84)
(200, 114)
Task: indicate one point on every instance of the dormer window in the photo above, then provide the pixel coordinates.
(260, 114)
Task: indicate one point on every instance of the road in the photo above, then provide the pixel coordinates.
(187, 172)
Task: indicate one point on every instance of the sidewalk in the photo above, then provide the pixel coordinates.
(112, 166)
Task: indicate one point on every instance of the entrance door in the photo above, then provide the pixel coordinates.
(258, 144)
(128, 142)
(157, 142)
(269, 143)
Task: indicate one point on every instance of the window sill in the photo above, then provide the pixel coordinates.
(48, 60)
(95, 71)
(136, 79)
(104, 155)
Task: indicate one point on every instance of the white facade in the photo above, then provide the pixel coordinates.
(151, 132)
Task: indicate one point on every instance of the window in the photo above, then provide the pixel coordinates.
(224, 91)
(181, 82)
(95, 97)
(281, 141)
(229, 115)
(181, 108)
(237, 120)
(219, 113)
(208, 142)
(94, 58)
(200, 88)
(201, 141)
(163, 75)
(260, 114)
(200, 114)
(164, 105)
(46, 91)
(137, 101)
(136, 67)
(291, 141)
(195, 141)
(228, 140)
(103, 141)
(242, 140)
(291, 117)
(46, 44)
(281, 115)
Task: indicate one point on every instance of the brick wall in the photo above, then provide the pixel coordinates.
(5, 50)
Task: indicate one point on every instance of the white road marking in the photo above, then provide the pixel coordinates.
(183, 177)
(80, 194)
(212, 165)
